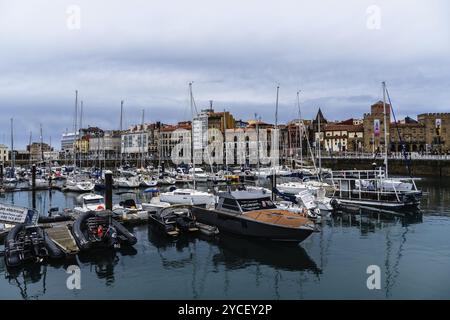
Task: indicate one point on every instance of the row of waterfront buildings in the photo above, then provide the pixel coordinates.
(429, 133)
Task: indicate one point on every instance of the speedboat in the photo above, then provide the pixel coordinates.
(90, 202)
(253, 214)
(174, 219)
(78, 186)
(188, 196)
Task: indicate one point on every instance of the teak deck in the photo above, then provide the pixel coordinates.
(278, 217)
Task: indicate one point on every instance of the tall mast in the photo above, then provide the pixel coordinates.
(386, 142)
(300, 127)
(142, 139)
(13, 156)
(75, 130)
(192, 132)
(276, 118)
(121, 128)
(79, 130)
(257, 146)
(42, 150)
(29, 146)
(319, 153)
(225, 138)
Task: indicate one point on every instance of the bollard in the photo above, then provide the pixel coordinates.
(108, 189)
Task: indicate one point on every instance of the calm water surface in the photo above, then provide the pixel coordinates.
(414, 257)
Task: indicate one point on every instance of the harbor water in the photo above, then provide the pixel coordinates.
(412, 254)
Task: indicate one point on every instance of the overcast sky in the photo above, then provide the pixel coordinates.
(235, 52)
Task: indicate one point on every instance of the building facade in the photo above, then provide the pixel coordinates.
(374, 128)
(4, 153)
(437, 132)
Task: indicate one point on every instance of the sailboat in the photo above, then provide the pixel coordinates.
(374, 188)
(187, 195)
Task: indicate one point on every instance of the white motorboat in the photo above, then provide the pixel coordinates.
(199, 174)
(188, 196)
(78, 186)
(292, 187)
(9, 183)
(297, 208)
(130, 182)
(90, 202)
(166, 180)
(155, 203)
(145, 181)
(183, 178)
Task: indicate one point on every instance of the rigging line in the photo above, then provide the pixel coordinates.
(402, 143)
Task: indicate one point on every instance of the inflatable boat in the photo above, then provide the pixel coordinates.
(99, 229)
(29, 243)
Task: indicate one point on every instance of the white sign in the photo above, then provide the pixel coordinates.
(14, 214)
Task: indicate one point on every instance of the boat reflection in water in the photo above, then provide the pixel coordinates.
(104, 261)
(237, 252)
(233, 252)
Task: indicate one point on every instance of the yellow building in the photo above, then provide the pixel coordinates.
(82, 145)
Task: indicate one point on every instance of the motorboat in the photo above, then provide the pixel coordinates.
(29, 243)
(199, 174)
(188, 196)
(146, 181)
(155, 203)
(166, 180)
(98, 229)
(127, 182)
(175, 219)
(254, 214)
(77, 185)
(90, 202)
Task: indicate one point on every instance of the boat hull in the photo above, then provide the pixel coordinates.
(236, 224)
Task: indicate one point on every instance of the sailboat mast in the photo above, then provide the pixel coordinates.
(257, 147)
(81, 127)
(386, 142)
(75, 130)
(300, 131)
(319, 153)
(192, 133)
(29, 145)
(42, 150)
(121, 128)
(142, 139)
(13, 156)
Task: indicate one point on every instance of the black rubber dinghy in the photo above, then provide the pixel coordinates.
(29, 243)
(94, 228)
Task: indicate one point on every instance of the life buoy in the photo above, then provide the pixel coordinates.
(100, 207)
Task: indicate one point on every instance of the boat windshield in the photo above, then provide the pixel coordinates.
(256, 204)
(92, 201)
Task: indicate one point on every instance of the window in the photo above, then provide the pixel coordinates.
(256, 204)
(230, 204)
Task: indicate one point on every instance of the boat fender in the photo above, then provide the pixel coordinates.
(80, 239)
(131, 239)
(13, 257)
